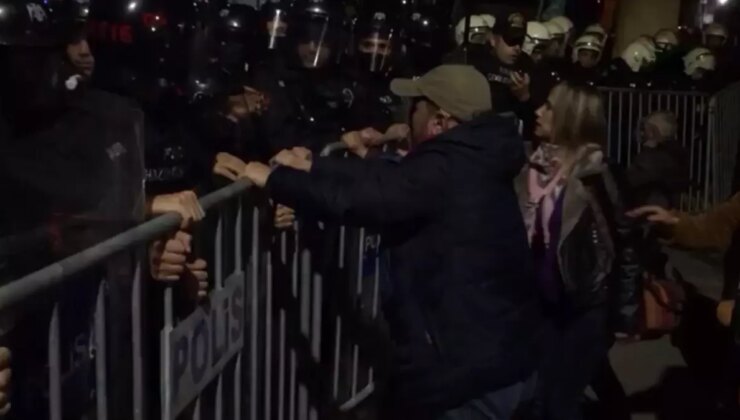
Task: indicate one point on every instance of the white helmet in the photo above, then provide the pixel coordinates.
(666, 40)
(637, 55)
(718, 30)
(587, 43)
(598, 31)
(480, 26)
(564, 23)
(699, 59)
(537, 35)
(555, 29)
(648, 42)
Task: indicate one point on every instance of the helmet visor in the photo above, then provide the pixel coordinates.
(376, 51)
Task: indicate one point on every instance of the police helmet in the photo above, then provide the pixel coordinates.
(556, 30)
(33, 34)
(480, 27)
(422, 40)
(537, 38)
(699, 61)
(315, 27)
(715, 31)
(597, 31)
(274, 21)
(666, 40)
(638, 56)
(377, 38)
(587, 43)
(563, 22)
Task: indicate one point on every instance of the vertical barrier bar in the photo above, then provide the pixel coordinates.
(619, 124)
(166, 367)
(268, 337)
(254, 316)
(101, 377)
(631, 132)
(305, 296)
(610, 97)
(337, 356)
(316, 317)
(708, 163)
(281, 366)
(219, 273)
(238, 267)
(137, 321)
(293, 384)
(55, 366)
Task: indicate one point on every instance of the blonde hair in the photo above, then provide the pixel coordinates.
(578, 116)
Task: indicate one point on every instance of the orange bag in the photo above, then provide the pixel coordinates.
(663, 302)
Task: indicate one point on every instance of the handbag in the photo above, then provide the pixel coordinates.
(663, 301)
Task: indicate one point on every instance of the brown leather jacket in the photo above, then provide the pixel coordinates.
(713, 229)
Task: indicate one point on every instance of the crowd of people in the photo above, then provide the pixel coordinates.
(515, 261)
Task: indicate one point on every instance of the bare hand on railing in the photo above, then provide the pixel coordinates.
(168, 258)
(296, 158)
(185, 202)
(196, 279)
(257, 173)
(358, 142)
(397, 132)
(228, 166)
(655, 214)
(5, 377)
(520, 86)
(284, 217)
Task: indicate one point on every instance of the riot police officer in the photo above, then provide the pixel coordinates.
(633, 68)
(151, 53)
(272, 30)
(587, 55)
(423, 43)
(308, 101)
(370, 66)
(700, 65)
(69, 164)
(222, 102)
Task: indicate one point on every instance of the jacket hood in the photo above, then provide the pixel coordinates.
(493, 138)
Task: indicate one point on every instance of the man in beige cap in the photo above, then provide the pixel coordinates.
(461, 304)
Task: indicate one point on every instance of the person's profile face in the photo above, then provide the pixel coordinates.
(81, 57)
(421, 114)
(545, 118)
(588, 59)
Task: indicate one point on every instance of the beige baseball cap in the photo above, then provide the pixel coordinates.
(458, 89)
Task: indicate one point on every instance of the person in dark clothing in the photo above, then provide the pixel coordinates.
(633, 68)
(309, 100)
(660, 173)
(463, 314)
(369, 67)
(583, 247)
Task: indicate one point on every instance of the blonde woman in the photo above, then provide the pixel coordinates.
(582, 245)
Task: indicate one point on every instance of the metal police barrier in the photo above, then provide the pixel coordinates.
(626, 108)
(726, 136)
(290, 330)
